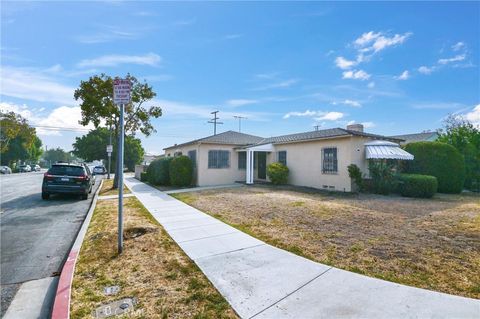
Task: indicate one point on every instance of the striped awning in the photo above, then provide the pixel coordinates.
(386, 150)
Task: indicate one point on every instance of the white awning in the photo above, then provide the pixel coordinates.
(262, 148)
(386, 150)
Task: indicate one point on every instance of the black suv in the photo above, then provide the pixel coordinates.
(67, 179)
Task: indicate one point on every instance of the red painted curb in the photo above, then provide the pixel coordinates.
(61, 307)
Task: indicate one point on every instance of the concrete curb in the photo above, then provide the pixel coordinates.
(61, 306)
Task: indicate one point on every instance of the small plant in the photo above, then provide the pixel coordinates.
(355, 174)
(181, 171)
(278, 173)
(415, 185)
(382, 174)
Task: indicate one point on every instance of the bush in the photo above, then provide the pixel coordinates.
(143, 176)
(278, 173)
(158, 171)
(440, 160)
(382, 174)
(416, 185)
(181, 171)
(355, 174)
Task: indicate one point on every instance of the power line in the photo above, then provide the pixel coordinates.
(240, 118)
(214, 122)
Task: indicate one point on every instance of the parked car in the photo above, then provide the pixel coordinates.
(67, 179)
(36, 168)
(99, 170)
(5, 170)
(24, 168)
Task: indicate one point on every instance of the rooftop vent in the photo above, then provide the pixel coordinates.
(355, 127)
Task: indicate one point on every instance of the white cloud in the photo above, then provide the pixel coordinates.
(352, 103)
(19, 109)
(330, 116)
(356, 75)
(33, 84)
(425, 69)
(240, 102)
(404, 76)
(457, 58)
(343, 63)
(458, 46)
(112, 60)
(279, 84)
(110, 34)
(376, 42)
(371, 85)
(302, 114)
(474, 115)
(437, 105)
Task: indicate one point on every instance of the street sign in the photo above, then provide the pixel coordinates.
(121, 91)
(109, 148)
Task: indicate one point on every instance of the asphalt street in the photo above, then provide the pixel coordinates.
(36, 234)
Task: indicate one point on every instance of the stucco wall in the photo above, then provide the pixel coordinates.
(218, 176)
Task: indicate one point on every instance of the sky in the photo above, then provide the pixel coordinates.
(286, 66)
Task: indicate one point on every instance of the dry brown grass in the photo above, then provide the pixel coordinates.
(107, 188)
(152, 268)
(427, 243)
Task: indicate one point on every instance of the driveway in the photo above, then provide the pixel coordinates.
(36, 235)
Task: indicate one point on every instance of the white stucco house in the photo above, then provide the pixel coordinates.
(316, 159)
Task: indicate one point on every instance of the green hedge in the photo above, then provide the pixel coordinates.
(278, 173)
(158, 171)
(143, 176)
(181, 171)
(416, 185)
(440, 160)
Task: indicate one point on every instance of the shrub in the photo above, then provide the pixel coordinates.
(382, 174)
(440, 160)
(278, 173)
(143, 176)
(416, 185)
(356, 175)
(181, 171)
(158, 171)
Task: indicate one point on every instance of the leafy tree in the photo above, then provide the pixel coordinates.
(465, 137)
(54, 155)
(92, 146)
(96, 96)
(18, 141)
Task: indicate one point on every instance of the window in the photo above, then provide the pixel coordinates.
(329, 162)
(218, 159)
(177, 153)
(242, 160)
(282, 157)
(193, 157)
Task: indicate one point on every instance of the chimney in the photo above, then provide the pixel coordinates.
(355, 127)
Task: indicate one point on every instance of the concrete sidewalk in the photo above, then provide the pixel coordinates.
(261, 281)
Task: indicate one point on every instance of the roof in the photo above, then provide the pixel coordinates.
(417, 137)
(228, 137)
(320, 134)
(385, 150)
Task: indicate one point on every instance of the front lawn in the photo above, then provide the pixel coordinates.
(427, 243)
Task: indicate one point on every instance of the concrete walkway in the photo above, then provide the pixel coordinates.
(261, 281)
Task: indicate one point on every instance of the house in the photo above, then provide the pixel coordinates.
(316, 159)
(417, 137)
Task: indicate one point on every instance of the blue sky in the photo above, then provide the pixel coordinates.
(286, 66)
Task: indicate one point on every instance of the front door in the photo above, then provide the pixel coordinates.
(262, 165)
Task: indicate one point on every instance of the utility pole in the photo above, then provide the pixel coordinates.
(316, 127)
(240, 118)
(120, 183)
(214, 122)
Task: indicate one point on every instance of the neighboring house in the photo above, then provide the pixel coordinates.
(148, 158)
(316, 159)
(417, 137)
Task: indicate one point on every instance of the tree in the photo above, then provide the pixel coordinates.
(92, 146)
(18, 141)
(97, 106)
(54, 155)
(465, 137)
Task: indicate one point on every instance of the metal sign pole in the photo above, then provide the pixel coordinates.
(120, 183)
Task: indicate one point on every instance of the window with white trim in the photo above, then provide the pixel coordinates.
(329, 160)
(218, 159)
(282, 157)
